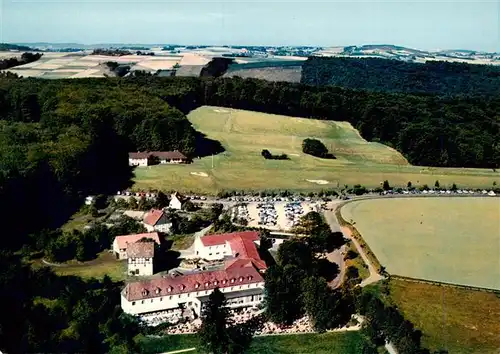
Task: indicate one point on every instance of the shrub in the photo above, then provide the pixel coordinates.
(316, 148)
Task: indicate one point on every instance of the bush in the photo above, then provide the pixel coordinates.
(316, 148)
(268, 156)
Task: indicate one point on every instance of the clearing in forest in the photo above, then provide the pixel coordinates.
(244, 134)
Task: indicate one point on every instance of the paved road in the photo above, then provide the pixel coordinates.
(337, 256)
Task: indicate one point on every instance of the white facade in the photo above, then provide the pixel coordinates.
(211, 253)
(140, 266)
(175, 203)
(138, 162)
(247, 295)
(122, 253)
(160, 227)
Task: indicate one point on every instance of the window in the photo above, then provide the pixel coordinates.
(170, 297)
(161, 299)
(151, 300)
(142, 301)
(133, 303)
(210, 254)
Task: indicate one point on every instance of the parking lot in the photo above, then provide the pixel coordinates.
(275, 215)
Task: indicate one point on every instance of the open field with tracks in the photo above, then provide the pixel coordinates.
(244, 134)
(452, 240)
(462, 321)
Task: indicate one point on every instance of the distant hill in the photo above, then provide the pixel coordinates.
(21, 48)
(433, 77)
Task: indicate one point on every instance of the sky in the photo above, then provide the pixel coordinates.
(424, 24)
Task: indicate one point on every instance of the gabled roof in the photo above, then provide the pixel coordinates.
(153, 217)
(166, 155)
(138, 155)
(242, 246)
(212, 240)
(179, 196)
(125, 240)
(169, 285)
(141, 250)
(169, 155)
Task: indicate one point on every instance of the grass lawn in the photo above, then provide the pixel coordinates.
(327, 343)
(244, 134)
(459, 320)
(358, 263)
(105, 263)
(181, 242)
(454, 240)
(77, 221)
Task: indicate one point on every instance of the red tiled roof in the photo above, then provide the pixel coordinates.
(166, 155)
(242, 246)
(125, 240)
(169, 285)
(153, 216)
(212, 240)
(141, 250)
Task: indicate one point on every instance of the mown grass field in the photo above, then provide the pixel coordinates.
(453, 240)
(459, 320)
(327, 343)
(105, 263)
(241, 167)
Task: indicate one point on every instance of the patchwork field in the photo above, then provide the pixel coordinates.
(452, 240)
(81, 65)
(461, 321)
(244, 134)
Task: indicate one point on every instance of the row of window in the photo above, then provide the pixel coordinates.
(138, 260)
(197, 294)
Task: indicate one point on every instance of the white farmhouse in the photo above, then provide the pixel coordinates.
(157, 220)
(241, 245)
(176, 201)
(164, 157)
(138, 159)
(140, 256)
(121, 243)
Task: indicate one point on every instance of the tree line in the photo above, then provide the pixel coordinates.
(377, 74)
(430, 130)
(25, 59)
(45, 313)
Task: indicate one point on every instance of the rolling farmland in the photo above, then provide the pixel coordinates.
(244, 134)
(452, 240)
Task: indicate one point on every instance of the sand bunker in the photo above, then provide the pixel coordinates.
(221, 111)
(294, 154)
(317, 181)
(200, 174)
